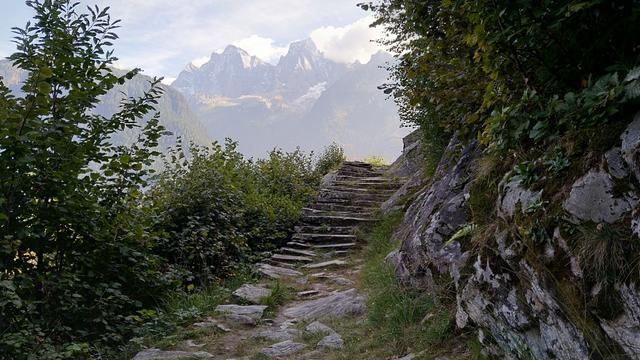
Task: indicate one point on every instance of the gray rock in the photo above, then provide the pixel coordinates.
(592, 199)
(631, 146)
(152, 354)
(239, 319)
(252, 293)
(337, 304)
(317, 327)
(514, 195)
(408, 357)
(251, 311)
(329, 179)
(276, 334)
(625, 330)
(326, 264)
(615, 163)
(284, 348)
(331, 342)
(209, 323)
(276, 272)
(409, 165)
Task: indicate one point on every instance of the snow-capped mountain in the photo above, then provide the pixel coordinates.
(304, 100)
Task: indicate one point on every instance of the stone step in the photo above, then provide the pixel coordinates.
(336, 246)
(357, 164)
(324, 229)
(342, 207)
(359, 173)
(350, 202)
(336, 220)
(277, 272)
(282, 264)
(300, 244)
(338, 194)
(350, 184)
(314, 212)
(290, 258)
(338, 238)
(356, 190)
(325, 264)
(322, 246)
(374, 179)
(298, 251)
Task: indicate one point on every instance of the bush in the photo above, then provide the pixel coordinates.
(331, 159)
(216, 209)
(477, 67)
(74, 257)
(375, 160)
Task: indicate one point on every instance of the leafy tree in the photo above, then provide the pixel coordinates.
(74, 264)
(494, 70)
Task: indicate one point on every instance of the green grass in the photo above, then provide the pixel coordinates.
(280, 293)
(399, 320)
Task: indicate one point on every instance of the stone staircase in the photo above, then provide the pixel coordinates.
(327, 231)
(348, 198)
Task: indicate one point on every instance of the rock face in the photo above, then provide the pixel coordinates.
(517, 308)
(410, 165)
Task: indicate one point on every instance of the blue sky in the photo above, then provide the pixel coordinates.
(162, 36)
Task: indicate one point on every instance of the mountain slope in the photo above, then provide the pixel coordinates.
(175, 113)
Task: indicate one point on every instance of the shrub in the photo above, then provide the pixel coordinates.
(375, 160)
(73, 255)
(477, 67)
(216, 209)
(331, 159)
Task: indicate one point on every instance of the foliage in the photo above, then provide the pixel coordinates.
(215, 208)
(375, 160)
(525, 174)
(73, 254)
(330, 159)
(477, 67)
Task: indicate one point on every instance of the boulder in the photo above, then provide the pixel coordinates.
(331, 342)
(252, 293)
(592, 198)
(317, 327)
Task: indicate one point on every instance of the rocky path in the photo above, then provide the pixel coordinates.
(320, 263)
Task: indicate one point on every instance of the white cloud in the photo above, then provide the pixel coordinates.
(168, 80)
(262, 47)
(198, 62)
(349, 43)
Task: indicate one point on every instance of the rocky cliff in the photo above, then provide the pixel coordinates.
(544, 266)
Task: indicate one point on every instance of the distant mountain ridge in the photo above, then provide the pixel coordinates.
(175, 113)
(304, 100)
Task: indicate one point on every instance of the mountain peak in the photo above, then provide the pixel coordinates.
(303, 45)
(232, 50)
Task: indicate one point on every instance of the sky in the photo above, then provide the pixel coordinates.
(162, 36)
